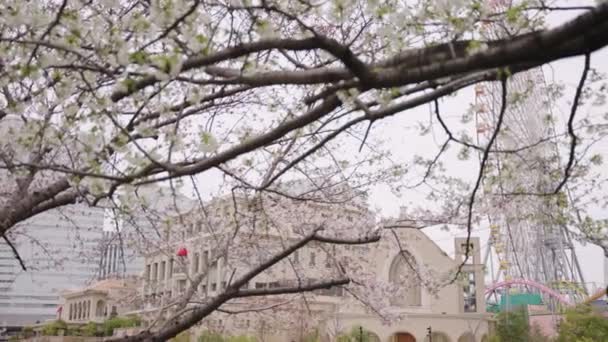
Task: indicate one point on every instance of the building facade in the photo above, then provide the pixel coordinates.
(61, 250)
(407, 281)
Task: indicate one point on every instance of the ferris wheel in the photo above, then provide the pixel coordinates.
(526, 241)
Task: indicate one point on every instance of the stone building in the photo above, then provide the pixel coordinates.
(100, 301)
(201, 258)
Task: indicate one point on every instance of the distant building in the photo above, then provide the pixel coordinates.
(118, 259)
(60, 249)
(139, 232)
(100, 301)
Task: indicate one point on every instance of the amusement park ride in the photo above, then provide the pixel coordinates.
(529, 251)
(527, 247)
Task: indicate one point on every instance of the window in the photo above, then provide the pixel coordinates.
(195, 265)
(274, 284)
(181, 285)
(155, 271)
(170, 272)
(148, 272)
(463, 248)
(312, 259)
(404, 274)
(260, 285)
(204, 289)
(223, 285)
(296, 257)
(469, 293)
(206, 258)
(162, 274)
(213, 287)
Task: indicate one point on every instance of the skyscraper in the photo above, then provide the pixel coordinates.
(61, 250)
(118, 258)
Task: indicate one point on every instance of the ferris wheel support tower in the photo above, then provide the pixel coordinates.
(526, 241)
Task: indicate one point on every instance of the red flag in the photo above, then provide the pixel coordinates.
(182, 252)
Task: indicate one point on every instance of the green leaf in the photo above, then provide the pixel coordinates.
(138, 57)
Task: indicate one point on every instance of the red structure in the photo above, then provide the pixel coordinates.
(182, 252)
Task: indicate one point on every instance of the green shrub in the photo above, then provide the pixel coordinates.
(512, 326)
(52, 329)
(184, 336)
(119, 322)
(90, 329)
(312, 336)
(241, 338)
(581, 324)
(209, 336)
(357, 334)
(27, 332)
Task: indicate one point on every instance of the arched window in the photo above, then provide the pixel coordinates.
(404, 273)
(100, 308)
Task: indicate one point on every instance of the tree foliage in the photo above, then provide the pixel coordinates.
(208, 336)
(357, 334)
(53, 328)
(582, 324)
(512, 326)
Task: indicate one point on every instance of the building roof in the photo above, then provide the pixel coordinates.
(103, 286)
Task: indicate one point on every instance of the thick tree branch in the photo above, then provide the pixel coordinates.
(290, 290)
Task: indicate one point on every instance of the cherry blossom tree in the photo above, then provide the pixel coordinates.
(101, 98)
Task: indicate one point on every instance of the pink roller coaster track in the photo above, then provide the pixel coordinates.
(544, 289)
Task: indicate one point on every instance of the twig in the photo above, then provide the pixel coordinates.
(484, 160)
(15, 252)
(573, 137)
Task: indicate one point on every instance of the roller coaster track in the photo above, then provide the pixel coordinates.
(542, 288)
